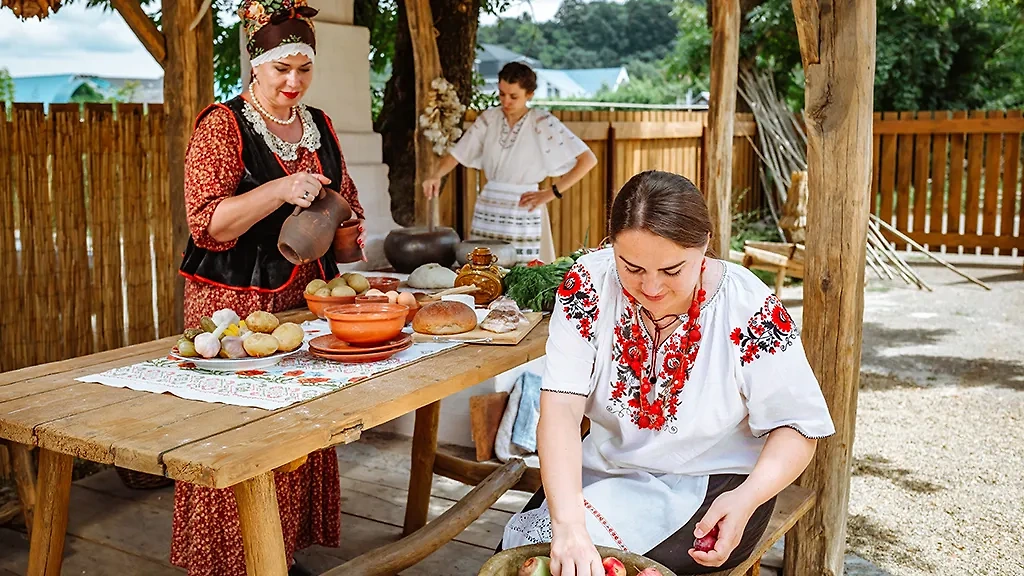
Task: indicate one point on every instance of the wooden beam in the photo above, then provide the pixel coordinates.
(950, 126)
(725, 51)
(427, 64)
(806, 13)
(421, 471)
(24, 467)
(472, 473)
(838, 96)
(188, 88)
(144, 28)
(260, 521)
(50, 523)
(397, 556)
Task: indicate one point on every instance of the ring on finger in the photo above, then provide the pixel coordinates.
(305, 195)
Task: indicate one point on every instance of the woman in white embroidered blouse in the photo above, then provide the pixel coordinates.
(517, 147)
(702, 404)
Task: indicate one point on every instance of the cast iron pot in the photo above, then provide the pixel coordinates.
(409, 248)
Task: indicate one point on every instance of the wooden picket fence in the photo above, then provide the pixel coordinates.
(625, 143)
(85, 235)
(951, 181)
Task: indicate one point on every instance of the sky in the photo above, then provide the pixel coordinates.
(91, 41)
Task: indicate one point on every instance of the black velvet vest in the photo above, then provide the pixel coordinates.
(254, 262)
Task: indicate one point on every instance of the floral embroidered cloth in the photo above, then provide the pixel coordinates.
(298, 377)
(646, 473)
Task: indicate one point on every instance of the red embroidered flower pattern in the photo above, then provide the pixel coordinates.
(250, 373)
(317, 380)
(294, 373)
(186, 365)
(770, 330)
(579, 299)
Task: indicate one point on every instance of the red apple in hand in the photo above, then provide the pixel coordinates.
(613, 567)
(707, 543)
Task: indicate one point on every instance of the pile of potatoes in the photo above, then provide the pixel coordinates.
(348, 284)
(225, 335)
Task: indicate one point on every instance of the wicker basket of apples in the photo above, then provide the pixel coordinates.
(533, 560)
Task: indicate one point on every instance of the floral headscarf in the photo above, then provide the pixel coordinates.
(277, 29)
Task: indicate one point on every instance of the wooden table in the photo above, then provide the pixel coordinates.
(211, 444)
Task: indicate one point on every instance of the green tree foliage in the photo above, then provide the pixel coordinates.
(596, 34)
(930, 55)
(6, 86)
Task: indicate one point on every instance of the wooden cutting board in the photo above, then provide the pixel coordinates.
(506, 339)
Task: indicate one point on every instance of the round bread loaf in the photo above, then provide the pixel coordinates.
(444, 318)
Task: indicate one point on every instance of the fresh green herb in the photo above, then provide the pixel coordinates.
(534, 287)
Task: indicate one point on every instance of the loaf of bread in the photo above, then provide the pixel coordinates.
(444, 318)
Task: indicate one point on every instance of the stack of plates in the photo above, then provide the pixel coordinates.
(330, 348)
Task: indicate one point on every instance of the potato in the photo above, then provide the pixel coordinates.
(289, 336)
(343, 291)
(315, 285)
(336, 282)
(324, 292)
(358, 282)
(260, 345)
(260, 321)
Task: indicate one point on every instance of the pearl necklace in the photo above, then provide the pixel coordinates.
(256, 103)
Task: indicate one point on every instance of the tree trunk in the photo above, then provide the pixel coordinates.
(456, 24)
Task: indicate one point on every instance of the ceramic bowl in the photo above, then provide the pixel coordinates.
(383, 283)
(367, 323)
(317, 304)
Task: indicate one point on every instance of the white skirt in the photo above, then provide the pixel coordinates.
(498, 216)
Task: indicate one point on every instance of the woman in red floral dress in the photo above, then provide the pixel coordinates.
(250, 161)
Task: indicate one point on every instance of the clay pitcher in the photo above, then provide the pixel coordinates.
(308, 233)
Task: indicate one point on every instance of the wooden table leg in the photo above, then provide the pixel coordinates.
(421, 473)
(260, 521)
(51, 518)
(25, 479)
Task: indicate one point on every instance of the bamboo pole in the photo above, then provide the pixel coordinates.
(908, 240)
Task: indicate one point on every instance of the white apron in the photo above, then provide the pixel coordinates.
(498, 216)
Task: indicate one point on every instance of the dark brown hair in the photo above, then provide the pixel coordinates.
(664, 204)
(519, 73)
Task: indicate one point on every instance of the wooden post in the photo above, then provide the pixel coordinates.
(51, 518)
(144, 28)
(427, 64)
(260, 521)
(188, 88)
(840, 69)
(421, 473)
(725, 53)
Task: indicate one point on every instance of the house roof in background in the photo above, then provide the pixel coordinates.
(593, 79)
(561, 81)
(59, 88)
(496, 52)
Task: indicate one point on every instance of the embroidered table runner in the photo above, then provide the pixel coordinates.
(298, 377)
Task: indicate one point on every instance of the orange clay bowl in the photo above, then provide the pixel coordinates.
(317, 304)
(382, 283)
(362, 324)
(507, 562)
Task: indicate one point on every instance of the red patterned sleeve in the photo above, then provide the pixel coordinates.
(348, 187)
(213, 169)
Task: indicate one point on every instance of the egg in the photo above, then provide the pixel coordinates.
(373, 292)
(407, 299)
(392, 296)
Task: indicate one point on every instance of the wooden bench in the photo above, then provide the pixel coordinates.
(791, 505)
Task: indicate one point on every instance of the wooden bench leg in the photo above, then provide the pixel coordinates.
(50, 521)
(421, 473)
(25, 479)
(755, 570)
(260, 521)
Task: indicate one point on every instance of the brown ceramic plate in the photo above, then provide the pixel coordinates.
(330, 344)
(360, 358)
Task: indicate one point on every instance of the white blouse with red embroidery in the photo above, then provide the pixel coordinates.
(645, 472)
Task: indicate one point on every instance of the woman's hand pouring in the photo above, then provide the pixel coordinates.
(301, 188)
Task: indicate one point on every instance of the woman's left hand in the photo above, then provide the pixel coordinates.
(730, 512)
(533, 200)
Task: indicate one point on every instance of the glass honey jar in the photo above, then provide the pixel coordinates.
(481, 271)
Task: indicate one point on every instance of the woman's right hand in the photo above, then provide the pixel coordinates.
(573, 552)
(432, 187)
(301, 188)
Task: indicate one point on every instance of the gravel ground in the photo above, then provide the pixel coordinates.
(938, 471)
